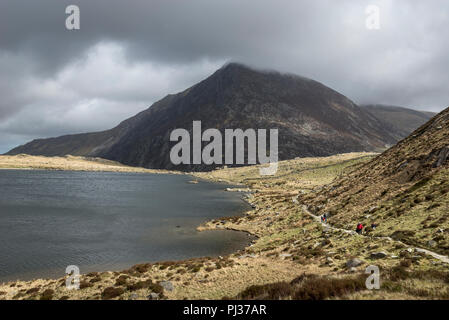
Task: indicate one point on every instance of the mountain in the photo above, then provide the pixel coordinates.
(313, 120)
(402, 120)
(405, 190)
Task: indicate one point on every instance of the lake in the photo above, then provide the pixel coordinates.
(108, 221)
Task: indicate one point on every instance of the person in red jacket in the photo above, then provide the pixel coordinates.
(359, 228)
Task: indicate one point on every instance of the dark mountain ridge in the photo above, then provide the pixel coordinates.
(312, 119)
(402, 120)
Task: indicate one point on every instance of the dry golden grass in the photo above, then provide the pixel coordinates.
(23, 161)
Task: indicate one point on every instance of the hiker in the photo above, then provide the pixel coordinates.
(323, 218)
(373, 225)
(359, 228)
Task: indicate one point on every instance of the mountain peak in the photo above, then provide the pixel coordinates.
(312, 119)
(236, 67)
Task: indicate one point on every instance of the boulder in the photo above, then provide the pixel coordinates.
(352, 263)
(133, 296)
(153, 296)
(167, 285)
(378, 255)
(442, 157)
(372, 209)
(431, 243)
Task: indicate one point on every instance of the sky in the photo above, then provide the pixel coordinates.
(129, 54)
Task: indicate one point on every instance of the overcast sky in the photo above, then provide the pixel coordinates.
(129, 54)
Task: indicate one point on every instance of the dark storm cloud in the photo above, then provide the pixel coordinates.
(128, 54)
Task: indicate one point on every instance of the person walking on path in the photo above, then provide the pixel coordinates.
(324, 218)
(359, 228)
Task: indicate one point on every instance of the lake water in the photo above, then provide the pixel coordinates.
(107, 221)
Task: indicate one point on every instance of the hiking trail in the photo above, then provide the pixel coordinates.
(435, 255)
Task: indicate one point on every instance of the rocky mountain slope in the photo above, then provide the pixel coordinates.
(313, 120)
(402, 120)
(405, 190)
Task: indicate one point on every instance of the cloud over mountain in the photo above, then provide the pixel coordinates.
(126, 56)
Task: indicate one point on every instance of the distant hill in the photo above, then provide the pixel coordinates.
(402, 120)
(313, 120)
(405, 190)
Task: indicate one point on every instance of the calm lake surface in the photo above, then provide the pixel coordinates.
(107, 221)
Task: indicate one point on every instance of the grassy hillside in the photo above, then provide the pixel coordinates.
(404, 190)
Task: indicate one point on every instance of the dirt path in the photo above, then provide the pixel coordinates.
(435, 255)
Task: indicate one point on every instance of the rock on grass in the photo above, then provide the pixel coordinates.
(352, 263)
(111, 292)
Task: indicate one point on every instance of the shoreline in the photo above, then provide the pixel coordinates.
(249, 237)
(127, 266)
